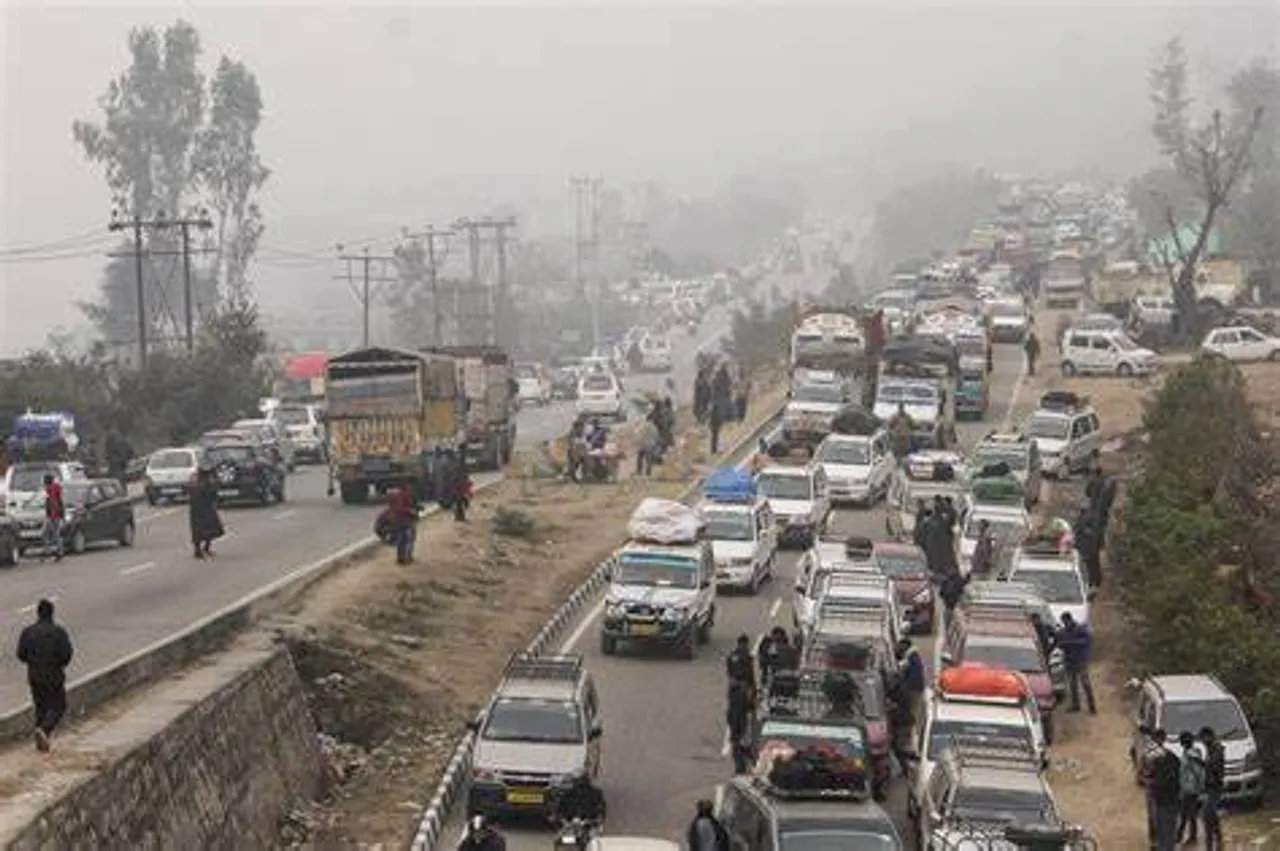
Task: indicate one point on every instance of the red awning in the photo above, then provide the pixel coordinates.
(306, 367)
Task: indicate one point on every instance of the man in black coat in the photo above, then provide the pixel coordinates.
(1088, 543)
(45, 648)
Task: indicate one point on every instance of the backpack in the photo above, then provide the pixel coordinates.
(1166, 777)
(1191, 778)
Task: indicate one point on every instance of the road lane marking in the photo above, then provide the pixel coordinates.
(284, 515)
(52, 598)
(773, 610)
(574, 637)
(726, 747)
(137, 568)
(156, 515)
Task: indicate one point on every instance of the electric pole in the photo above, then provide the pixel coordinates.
(137, 224)
(498, 303)
(202, 221)
(365, 295)
(586, 203)
(431, 235)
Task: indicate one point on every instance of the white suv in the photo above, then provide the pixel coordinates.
(1105, 353)
(1067, 434)
(600, 395)
(743, 541)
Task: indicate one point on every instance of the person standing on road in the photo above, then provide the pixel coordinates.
(702, 395)
(1192, 780)
(1164, 792)
(403, 511)
(911, 669)
(1077, 646)
(706, 833)
(54, 514)
(1101, 492)
(647, 447)
(984, 551)
(742, 397)
(715, 421)
(1087, 539)
(45, 648)
(900, 428)
(1215, 763)
(739, 666)
(738, 724)
(951, 590)
(202, 514)
(1031, 348)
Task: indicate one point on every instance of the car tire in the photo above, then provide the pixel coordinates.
(127, 534)
(10, 556)
(1274, 356)
(78, 543)
(152, 499)
(264, 494)
(1124, 370)
(1069, 369)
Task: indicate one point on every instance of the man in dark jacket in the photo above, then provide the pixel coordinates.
(1031, 347)
(1088, 543)
(1101, 492)
(45, 648)
(1214, 777)
(739, 666)
(951, 589)
(706, 833)
(1077, 647)
(1164, 793)
(738, 721)
(911, 670)
(583, 800)
(702, 395)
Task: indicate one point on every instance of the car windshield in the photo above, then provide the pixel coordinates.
(729, 526)
(228, 453)
(292, 416)
(1015, 457)
(1050, 428)
(942, 733)
(828, 394)
(29, 479)
(528, 720)
(1001, 529)
(526, 371)
(844, 452)
(172, 459)
(1005, 806)
(897, 566)
(912, 394)
(1061, 587)
(597, 383)
(656, 570)
(1005, 309)
(75, 493)
(1221, 716)
(973, 346)
(1011, 657)
(836, 840)
(784, 487)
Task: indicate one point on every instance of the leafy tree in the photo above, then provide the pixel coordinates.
(1254, 219)
(1171, 98)
(226, 164)
(760, 336)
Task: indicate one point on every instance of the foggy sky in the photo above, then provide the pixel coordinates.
(378, 118)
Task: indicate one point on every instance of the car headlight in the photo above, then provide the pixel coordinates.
(1251, 761)
(484, 775)
(675, 613)
(564, 779)
(615, 610)
(925, 596)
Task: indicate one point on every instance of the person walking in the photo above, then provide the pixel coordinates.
(911, 669)
(739, 666)
(647, 447)
(45, 648)
(403, 511)
(715, 421)
(951, 590)
(1164, 793)
(1215, 763)
(1077, 646)
(1192, 787)
(706, 833)
(1031, 348)
(55, 513)
(1101, 493)
(1087, 539)
(202, 514)
(738, 725)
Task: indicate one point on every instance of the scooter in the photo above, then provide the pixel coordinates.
(577, 833)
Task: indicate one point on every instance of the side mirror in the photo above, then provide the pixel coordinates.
(596, 732)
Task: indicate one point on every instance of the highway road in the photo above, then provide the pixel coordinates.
(664, 739)
(115, 601)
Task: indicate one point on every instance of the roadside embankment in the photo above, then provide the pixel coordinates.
(212, 759)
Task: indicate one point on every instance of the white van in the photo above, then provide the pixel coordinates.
(600, 395)
(1105, 353)
(743, 540)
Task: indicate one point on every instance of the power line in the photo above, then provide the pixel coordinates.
(364, 296)
(431, 234)
(54, 257)
(93, 235)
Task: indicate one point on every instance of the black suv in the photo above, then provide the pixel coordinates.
(245, 471)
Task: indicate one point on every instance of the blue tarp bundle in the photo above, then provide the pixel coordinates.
(38, 436)
(729, 484)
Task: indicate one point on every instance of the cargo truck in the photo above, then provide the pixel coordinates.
(387, 411)
(486, 379)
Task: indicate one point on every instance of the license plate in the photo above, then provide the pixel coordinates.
(525, 797)
(644, 629)
(32, 533)
(228, 492)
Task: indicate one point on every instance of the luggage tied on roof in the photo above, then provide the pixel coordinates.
(664, 521)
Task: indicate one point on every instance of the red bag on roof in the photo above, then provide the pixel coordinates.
(981, 681)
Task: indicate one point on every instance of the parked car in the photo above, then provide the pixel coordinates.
(1241, 344)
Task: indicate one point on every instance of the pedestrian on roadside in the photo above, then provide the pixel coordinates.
(1192, 780)
(1164, 793)
(1031, 348)
(984, 551)
(739, 666)
(742, 398)
(715, 421)
(951, 590)
(55, 513)
(202, 513)
(403, 510)
(738, 724)
(1077, 646)
(45, 648)
(1101, 493)
(647, 447)
(1087, 539)
(911, 669)
(1215, 763)
(706, 833)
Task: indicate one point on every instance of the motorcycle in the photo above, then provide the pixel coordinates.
(577, 833)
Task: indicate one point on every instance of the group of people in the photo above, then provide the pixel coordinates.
(719, 399)
(1183, 788)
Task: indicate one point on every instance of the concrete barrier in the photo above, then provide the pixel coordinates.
(453, 784)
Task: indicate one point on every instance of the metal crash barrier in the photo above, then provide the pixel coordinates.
(1013, 838)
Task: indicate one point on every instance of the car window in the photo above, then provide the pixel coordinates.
(1101, 344)
(1224, 338)
(172, 459)
(1079, 427)
(530, 720)
(1078, 341)
(1251, 336)
(1221, 716)
(836, 840)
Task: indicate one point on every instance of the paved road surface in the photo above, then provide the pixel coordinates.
(664, 740)
(116, 601)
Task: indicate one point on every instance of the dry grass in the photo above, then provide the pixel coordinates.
(417, 648)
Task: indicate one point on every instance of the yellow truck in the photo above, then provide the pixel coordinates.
(387, 411)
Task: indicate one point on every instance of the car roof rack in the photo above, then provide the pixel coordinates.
(812, 694)
(983, 752)
(563, 667)
(1010, 608)
(1062, 400)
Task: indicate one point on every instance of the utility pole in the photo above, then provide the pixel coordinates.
(498, 324)
(202, 221)
(365, 296)
(434, 259)
(137, 224)
(586, 202)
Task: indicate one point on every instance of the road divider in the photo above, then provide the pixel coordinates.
(454, 780)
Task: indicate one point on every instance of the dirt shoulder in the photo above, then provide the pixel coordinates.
(397, 658)
(1092, 776)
